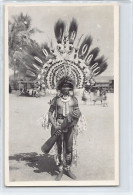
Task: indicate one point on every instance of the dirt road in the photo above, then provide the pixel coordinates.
(96, 145)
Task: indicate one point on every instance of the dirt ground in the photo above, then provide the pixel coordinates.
(95, 146)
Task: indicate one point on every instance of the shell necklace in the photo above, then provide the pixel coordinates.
(65, 105)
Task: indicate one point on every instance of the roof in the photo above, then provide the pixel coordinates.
(104, 79)
(26, 82)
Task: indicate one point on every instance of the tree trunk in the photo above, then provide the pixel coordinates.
(14, 72)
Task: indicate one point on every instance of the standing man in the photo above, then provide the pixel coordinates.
(63, 115)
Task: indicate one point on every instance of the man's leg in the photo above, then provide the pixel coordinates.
(59, 152)
(60, 165)
(69, 147)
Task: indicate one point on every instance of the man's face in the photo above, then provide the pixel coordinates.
(65, 91)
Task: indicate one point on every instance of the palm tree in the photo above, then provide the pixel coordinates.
(20, 33)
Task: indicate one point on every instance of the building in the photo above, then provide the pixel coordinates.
(106, 82)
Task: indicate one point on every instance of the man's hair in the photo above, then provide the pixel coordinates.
(65, 81)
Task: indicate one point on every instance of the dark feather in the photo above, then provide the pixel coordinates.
(45, 46)
(102, 68)
(31, 68)
(73, 31)
(92, 56)
(100, 60)
(35, 52)
(84, 48)
(35, 59)
(99, 66)
(48, 54)
(29, 60)
(29, 73)
(59, 30)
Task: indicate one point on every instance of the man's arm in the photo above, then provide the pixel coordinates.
(52, 109)
(76, 112)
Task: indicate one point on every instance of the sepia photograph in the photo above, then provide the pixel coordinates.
(62, 94)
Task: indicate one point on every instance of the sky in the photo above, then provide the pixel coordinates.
(97, 21)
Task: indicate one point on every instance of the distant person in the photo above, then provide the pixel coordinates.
(43, 88)
(93, 95)
(98, 93)
(10, 89)
(104, 99)
(85, 96)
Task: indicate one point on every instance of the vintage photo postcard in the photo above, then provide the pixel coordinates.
(62, 94)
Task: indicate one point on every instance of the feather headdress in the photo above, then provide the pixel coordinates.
(65, 80)
(59, 30)
(73, 31)
(66, 60)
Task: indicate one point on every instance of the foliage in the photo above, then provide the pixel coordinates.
(20, 33)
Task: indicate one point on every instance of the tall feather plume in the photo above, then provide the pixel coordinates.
(103, 67)
(31, 74)
(45, 46)
(37, 55)
(84, 48)
(47, 51)
(99, 65)
(31, 63)
(92, 56)
(59, 29)
(73, 31)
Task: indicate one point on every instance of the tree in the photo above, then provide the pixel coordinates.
(20, 31)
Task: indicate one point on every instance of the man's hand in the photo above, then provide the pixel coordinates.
(57, 130)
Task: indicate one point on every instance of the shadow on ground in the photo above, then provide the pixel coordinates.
(42, 163)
